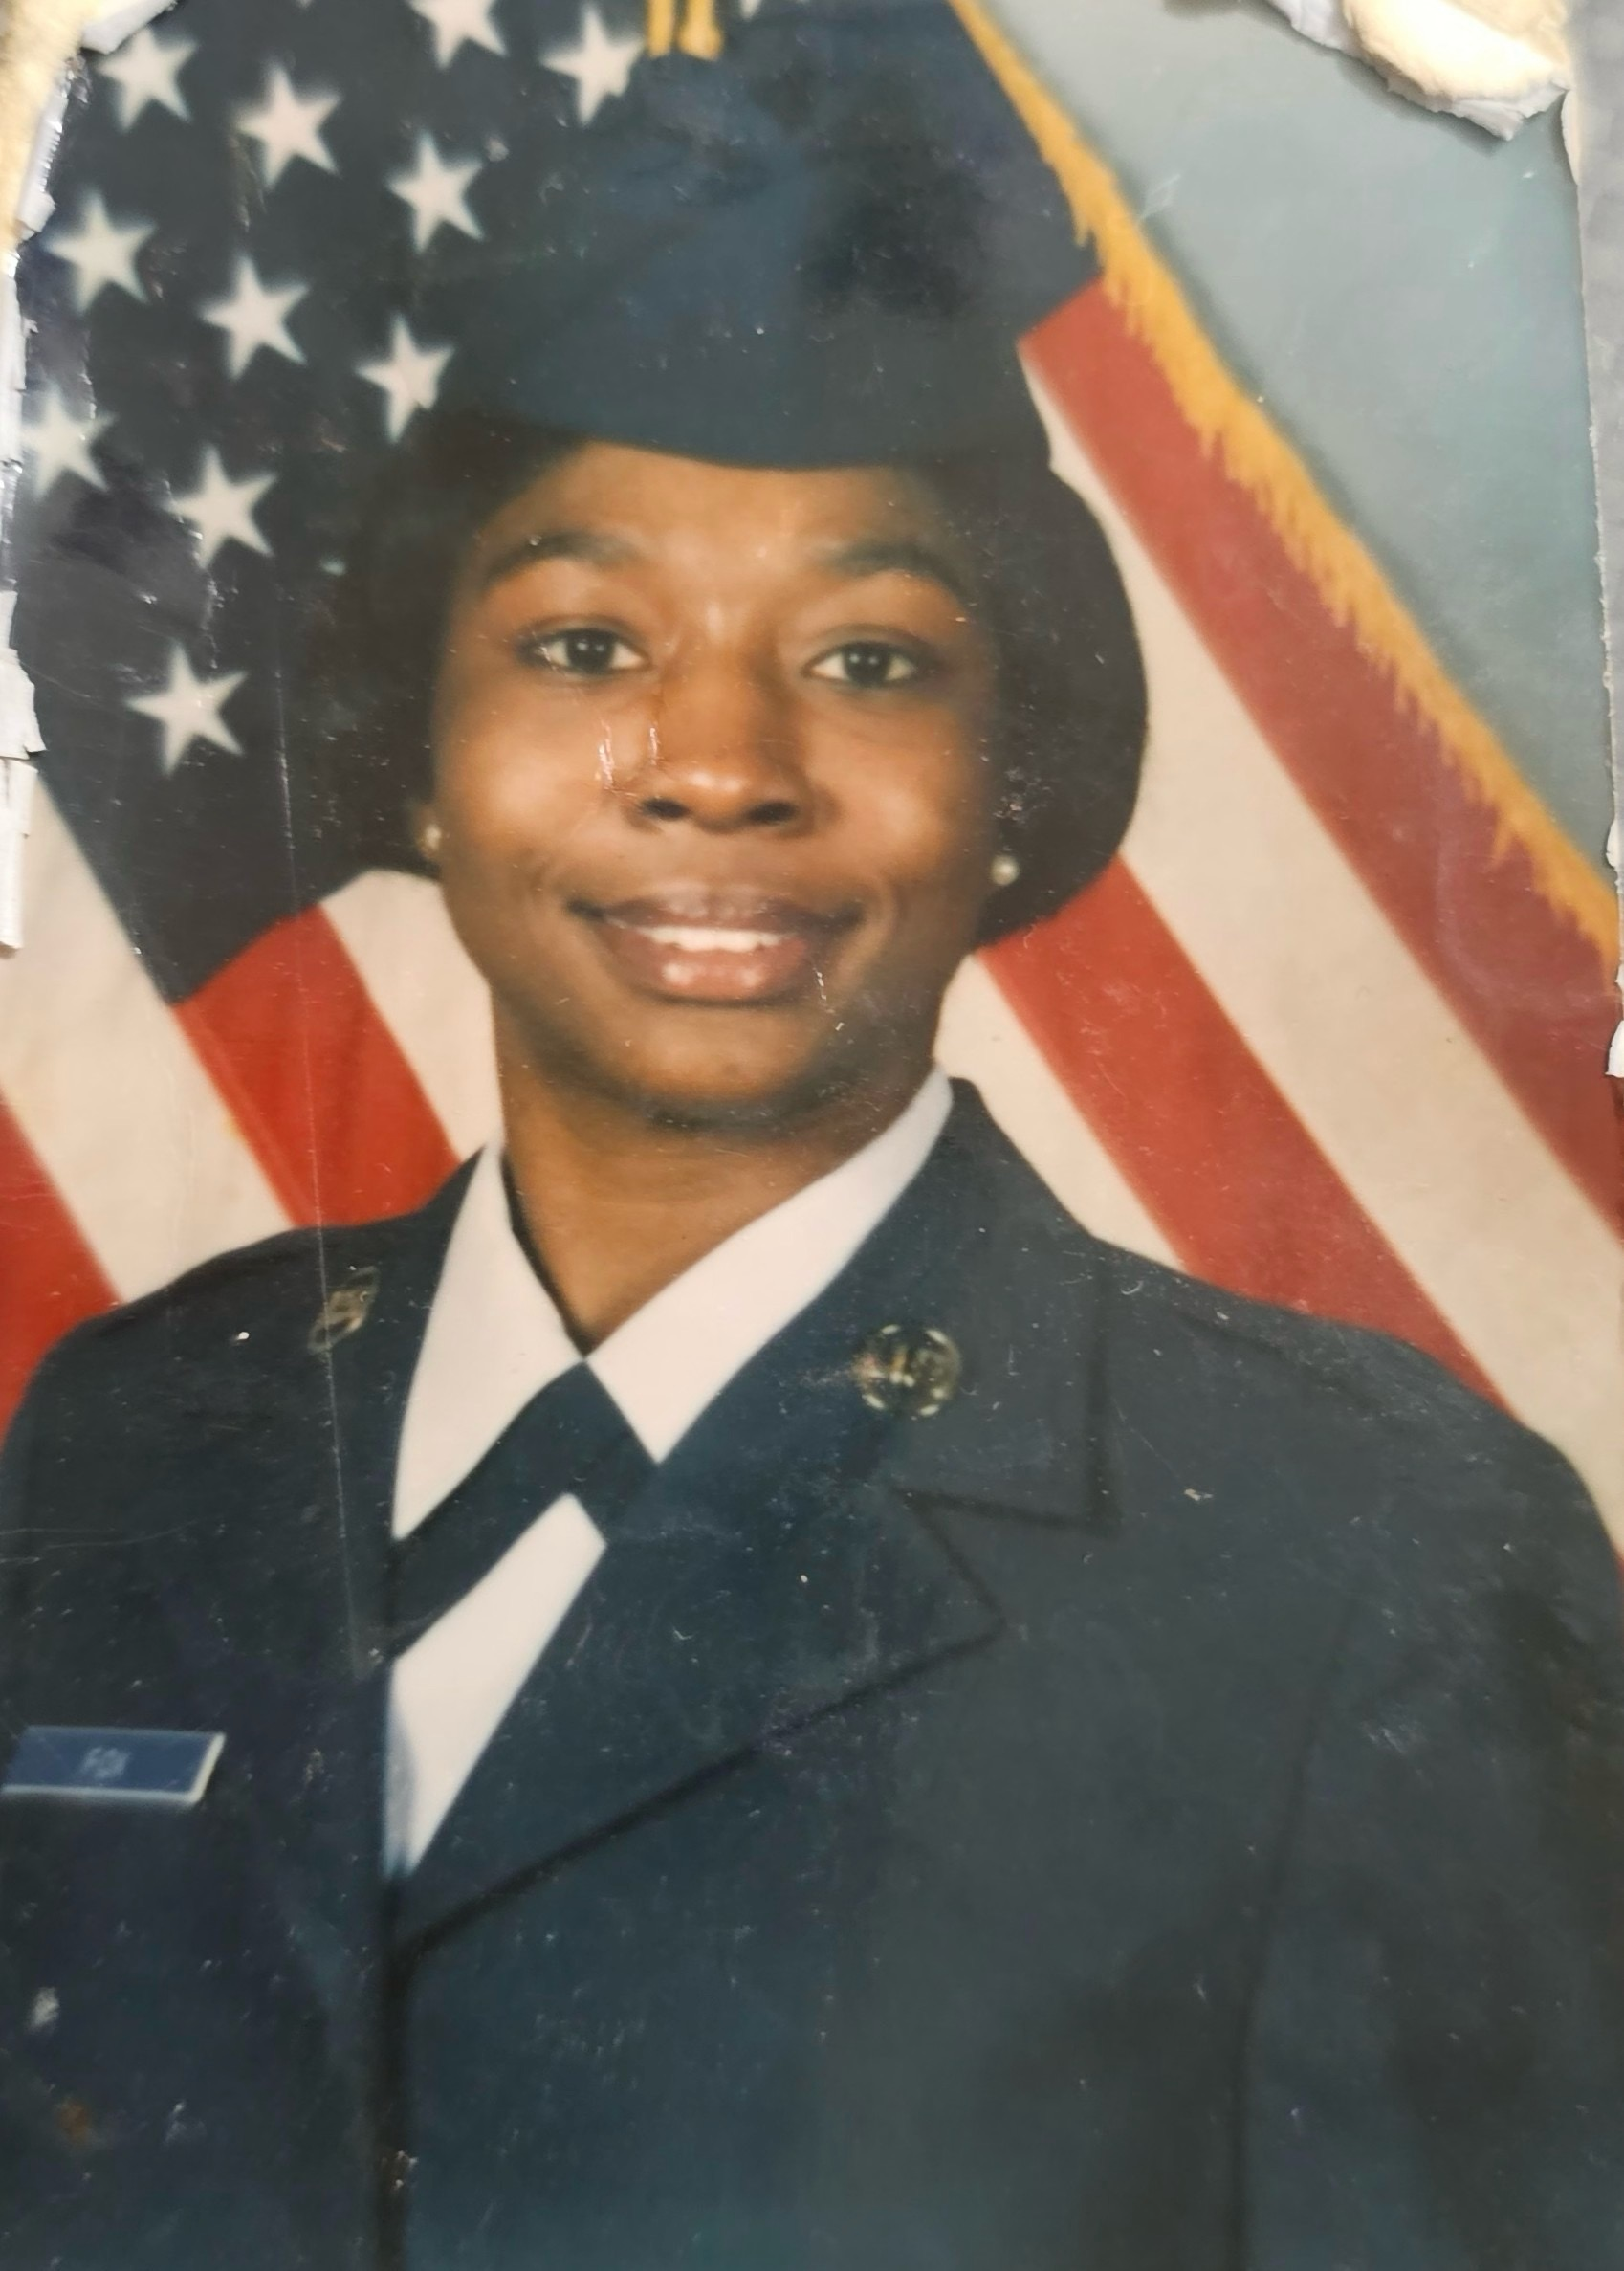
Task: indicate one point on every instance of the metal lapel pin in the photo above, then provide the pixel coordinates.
(910, 1372)
(345, 1310)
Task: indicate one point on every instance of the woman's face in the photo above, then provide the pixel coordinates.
(711, 780)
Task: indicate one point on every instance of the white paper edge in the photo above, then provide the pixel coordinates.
(20, 738)
(1495, 111)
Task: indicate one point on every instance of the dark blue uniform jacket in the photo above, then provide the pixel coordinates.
(1161, 1813)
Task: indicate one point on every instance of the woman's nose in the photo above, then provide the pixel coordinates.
(722, 752)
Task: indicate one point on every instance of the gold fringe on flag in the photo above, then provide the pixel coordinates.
(1255, 456)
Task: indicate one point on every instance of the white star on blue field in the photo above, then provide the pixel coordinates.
(287, 117)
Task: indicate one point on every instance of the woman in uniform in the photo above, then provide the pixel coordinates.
(758, 1697)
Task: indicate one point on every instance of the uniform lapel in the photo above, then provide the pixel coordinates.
(713, 1621)
(783, 1560)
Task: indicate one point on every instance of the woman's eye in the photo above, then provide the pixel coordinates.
(866, 663)
(584, 653)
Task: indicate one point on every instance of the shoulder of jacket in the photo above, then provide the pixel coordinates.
(1199, 1364)
(239, 1290)
(1351, 1363)
(255, 1277)
(1344, 1453)
(1385, 1415)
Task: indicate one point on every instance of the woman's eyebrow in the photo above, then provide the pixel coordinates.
(908, 556)
(555, 543)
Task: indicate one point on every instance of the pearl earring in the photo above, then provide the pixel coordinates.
(1005, 869)
(430, 838)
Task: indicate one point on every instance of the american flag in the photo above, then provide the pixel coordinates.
(1331, 1030)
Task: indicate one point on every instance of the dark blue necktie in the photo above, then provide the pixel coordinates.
(571, 1438)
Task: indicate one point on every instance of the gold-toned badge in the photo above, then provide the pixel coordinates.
(910, 1372)
(345, 1310)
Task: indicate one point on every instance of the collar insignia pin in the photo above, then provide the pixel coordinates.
(909, 1372)
(345, 1310)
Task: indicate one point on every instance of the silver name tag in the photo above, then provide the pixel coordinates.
(132, 1766)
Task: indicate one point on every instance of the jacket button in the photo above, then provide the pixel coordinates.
(909, 1372)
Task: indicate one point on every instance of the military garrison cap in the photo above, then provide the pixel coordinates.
(819, 248)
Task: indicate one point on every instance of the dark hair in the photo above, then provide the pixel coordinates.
(1070, 685)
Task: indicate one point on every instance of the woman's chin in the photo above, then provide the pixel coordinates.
(704, 1092)
(710, 1067)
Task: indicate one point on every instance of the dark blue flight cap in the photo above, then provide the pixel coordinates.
(819, 248)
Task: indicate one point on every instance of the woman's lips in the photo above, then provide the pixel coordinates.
(720, 947)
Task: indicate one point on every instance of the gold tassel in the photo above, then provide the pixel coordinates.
(701, 34)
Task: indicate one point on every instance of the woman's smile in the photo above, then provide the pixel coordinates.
(734, 948)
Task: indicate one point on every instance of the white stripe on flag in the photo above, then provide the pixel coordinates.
(107, 1091)
(1363, 1047)
(396, 931)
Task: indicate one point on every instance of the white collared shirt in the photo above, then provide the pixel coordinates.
(495, 1339)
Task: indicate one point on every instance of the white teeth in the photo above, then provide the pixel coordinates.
(705, 938)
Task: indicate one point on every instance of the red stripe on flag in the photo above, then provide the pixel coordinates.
(1520, 974)
(315, 1079)
(1241, 1190)
(48, 1274)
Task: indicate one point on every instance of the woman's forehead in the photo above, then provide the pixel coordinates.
(608, 502)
